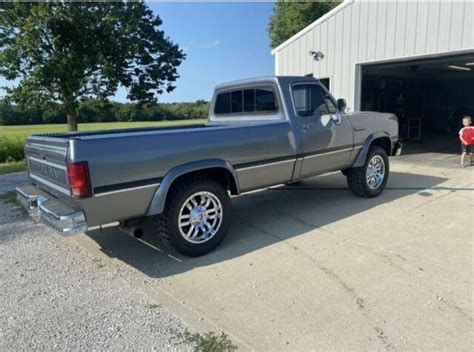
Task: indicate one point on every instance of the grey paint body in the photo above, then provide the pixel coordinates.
(132, 170)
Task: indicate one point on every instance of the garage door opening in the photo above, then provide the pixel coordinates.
(429, 96)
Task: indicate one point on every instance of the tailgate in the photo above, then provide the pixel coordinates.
(47, 163)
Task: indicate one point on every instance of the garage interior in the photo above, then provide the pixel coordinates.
(429, 96)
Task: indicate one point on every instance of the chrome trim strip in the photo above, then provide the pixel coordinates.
(58, 166)
(126, 189)
(43, 147)
(50, 184)
(335, 151)
(264, 165)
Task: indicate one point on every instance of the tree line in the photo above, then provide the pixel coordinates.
(94, 110)
(69, 58)
(67, 52)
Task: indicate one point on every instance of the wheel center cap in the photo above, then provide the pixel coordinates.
(198, 215)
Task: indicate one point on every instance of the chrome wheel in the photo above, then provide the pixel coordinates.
(200, 217)
(375, 172)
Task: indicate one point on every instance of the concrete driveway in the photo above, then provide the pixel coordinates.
(311, 267)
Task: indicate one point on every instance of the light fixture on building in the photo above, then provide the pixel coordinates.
(459, 68)
(469, 63)
(317, 55)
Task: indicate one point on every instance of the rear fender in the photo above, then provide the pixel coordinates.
(157, 203)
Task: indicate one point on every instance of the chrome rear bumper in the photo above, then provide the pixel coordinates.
(43, 207)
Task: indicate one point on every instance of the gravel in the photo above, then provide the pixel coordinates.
(55, 296)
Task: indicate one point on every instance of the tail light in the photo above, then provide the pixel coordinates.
(79, 182)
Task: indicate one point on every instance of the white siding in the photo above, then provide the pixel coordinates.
(363, 31)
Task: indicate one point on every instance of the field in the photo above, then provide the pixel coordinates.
(25, 130)
(12, 137)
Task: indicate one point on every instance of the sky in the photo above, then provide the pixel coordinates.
(222, 41)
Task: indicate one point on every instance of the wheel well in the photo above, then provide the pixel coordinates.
(219, 174)
(384, 143)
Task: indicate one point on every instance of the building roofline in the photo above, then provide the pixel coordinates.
(320, 20)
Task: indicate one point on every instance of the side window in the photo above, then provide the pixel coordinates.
(265, 100)
(249, 100)
(222, 104)
(328, 100)
(236, 105)
(254, 100)
(309, 100)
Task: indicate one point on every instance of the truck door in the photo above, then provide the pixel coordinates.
(327, 133)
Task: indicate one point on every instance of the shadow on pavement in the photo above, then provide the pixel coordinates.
(262, 219)
(433, 144)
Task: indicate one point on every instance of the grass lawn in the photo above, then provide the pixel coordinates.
(22, 131)
(14, 166)
(12, 137)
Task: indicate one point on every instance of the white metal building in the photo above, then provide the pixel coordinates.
(414, 58)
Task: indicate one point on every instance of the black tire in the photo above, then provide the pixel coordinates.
(357, 180)
(166, 223)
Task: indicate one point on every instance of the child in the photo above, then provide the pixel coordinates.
(466, 135)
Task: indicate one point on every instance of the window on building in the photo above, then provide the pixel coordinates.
(326, 82)
(258, 100)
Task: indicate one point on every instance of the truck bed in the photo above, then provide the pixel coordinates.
(126, 165)
(118, 131)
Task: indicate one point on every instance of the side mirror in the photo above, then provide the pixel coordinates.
(341, 105)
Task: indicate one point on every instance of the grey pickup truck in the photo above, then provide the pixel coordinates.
(261, 132)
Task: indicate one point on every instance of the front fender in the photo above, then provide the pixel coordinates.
(157, 203)
(360, 161)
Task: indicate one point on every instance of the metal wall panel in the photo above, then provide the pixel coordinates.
(444, 27)
(361, 31)
(390, 29)
(421, 28)
(434, 15)
(381, 30)
(457, 19)
(411, 28)
(400, 28)
(468, 31)
(363, 26)
(371, 30)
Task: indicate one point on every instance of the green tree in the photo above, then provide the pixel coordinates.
(289, 17)
(63, 52)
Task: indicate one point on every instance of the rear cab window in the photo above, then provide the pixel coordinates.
(261, 100)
